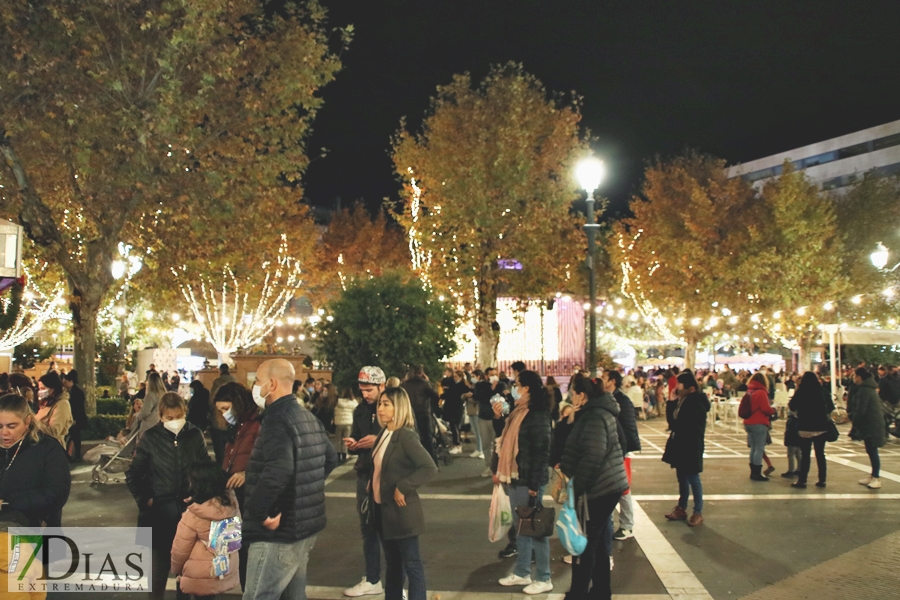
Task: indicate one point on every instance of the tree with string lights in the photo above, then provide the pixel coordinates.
(129, 122)
(487, 195)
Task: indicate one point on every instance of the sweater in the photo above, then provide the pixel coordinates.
(192, 558)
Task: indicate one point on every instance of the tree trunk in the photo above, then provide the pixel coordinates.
(690, 350)
(487, 345)
(804, 359)
(85, 306)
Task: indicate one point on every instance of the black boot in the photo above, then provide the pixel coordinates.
(756, 473)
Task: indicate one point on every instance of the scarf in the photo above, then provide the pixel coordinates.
(508, 444)
(678, 406)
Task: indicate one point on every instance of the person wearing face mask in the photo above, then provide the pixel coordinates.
(242, 415)
(34, 469)
(284, 505)
(157, 479)
(218, 428)
(484, 391)
(55, 411)
(686, 415)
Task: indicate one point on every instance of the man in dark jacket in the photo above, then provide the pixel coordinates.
(612, 383)
(79, 414)
(422, 397)
(285, 487)
(362, 438)
(484, 391)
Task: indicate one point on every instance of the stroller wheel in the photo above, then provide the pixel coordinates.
(102, 477)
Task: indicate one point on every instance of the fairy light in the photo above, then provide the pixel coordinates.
(37, 308)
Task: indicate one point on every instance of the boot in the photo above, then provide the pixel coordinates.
(756, 473)
(677, 514)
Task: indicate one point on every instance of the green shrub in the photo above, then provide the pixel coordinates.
(111, 406)
(100, 427)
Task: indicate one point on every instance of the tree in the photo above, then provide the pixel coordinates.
(487, 192)
(686, 252)
(138, 120)
(356, 246)
(386, 323)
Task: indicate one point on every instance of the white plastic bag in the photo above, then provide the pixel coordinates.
(500, 516)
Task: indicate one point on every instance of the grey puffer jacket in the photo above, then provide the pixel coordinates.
(594, 457)
(286, 474)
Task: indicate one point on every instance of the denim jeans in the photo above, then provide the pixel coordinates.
(278, 570)
(756, 439)
(518, 496)
(872, 451)
(805, 447)
(686, 483)
(371, 545)
(590, 571)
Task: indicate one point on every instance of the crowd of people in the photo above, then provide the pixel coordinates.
(274, 446)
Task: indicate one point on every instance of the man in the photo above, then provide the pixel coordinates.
(729, 381)
(218, 427)
(672, 383)
(284, 508)
(484, 391)
(362, 438)
(422, 397)
(224, 377)
(612, 383)
(79, 414)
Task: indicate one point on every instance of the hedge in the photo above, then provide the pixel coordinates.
(100, 427)
(112, 406)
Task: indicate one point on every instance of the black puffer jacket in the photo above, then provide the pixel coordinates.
(534, 450)
(594, 457)
(286, 474)
(37, 483)
(160, 469)
(629, 423)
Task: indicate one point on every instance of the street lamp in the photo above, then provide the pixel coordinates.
(589, 172)
(879, 258)
(126, 267)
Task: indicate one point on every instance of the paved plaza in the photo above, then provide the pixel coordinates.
(759, 540)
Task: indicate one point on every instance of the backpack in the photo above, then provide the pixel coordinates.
(746, 407)
(224, 538)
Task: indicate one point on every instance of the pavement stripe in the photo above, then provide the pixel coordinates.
(654, 446)
(862, 467)
(548, 500)
(673, 572)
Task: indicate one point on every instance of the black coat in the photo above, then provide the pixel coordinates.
(77, 402)
(628, 421)
(365, 423)
(159, 471)
(453, 402)
(198, 409)
(286, 474)
(534, 450)
(422, 397)
(37, 483)
(593, 456)
(813, 408)
(686, 443)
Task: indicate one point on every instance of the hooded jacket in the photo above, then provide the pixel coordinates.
(685, 446)
(191, 557)
(593, 456)
(867, 414)
(760, 407)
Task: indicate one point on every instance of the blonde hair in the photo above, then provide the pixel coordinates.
(392, 382)
(171, 400)
(403, 413)
(18, 405)
(155, 384)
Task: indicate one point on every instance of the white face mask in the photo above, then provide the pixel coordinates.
(259, 399)
(514, 392)
(175, 426)
(229, 416)
(494, 379)
(42, 394)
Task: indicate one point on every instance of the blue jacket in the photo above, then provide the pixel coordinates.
(286, 474)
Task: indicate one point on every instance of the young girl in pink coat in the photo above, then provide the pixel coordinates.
(191, 557)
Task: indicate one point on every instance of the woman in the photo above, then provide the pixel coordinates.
(757, 424)
(149, 415)
(594, 460)
(328, 398)
(157, 479)
(198, 406)
(555, 397)
(55, 411)
(343, 422)
(520, 463)
(472, 411)
(867, 415)
(400, 466)
(686, 415)
(34, 468)
(453, 407)
(243, 415)
(813, 411)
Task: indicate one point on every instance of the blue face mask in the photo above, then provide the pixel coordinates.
(311, 390)
(514, 392)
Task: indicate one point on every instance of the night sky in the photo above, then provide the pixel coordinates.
(740, 80)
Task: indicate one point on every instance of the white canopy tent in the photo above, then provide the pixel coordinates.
(858, 336)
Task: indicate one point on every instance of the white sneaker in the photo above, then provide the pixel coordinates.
(455, 450)
(477, 454)
(538, 587)
(865, 480)
(567, 559)
(513, 579)
(364, 588)
(612, 563)
(486, 473)
(875, 484)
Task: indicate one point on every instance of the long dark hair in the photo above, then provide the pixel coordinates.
(583, 385)
(207, 481)
(52, 382)
(809, 384)
(538, 398)
(242, 404)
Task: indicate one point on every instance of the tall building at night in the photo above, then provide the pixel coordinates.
(833, 164)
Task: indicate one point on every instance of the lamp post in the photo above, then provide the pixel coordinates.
(126, 267)
(880, 257)
(590, 172)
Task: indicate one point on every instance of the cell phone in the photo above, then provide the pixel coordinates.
(350, 440)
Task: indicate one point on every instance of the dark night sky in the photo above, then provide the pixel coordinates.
(740, 80)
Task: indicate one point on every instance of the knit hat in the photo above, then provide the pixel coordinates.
(371, 375)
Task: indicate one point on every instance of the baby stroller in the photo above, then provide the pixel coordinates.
(441, 442)
(110, 458)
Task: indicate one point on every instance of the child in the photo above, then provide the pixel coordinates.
(157, 478)
(192, 558)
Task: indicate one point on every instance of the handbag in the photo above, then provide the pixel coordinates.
(831, 433)
(568, 526)
(536, 520)
(560, 488)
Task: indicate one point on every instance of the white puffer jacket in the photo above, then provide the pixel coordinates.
(343, 411)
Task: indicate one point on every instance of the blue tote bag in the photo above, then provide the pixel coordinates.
(568, 529)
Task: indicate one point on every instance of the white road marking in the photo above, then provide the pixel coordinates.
(548, 500)
(861, 467)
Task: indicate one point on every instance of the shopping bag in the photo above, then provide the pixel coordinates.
(568, 528)
(500, 516)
